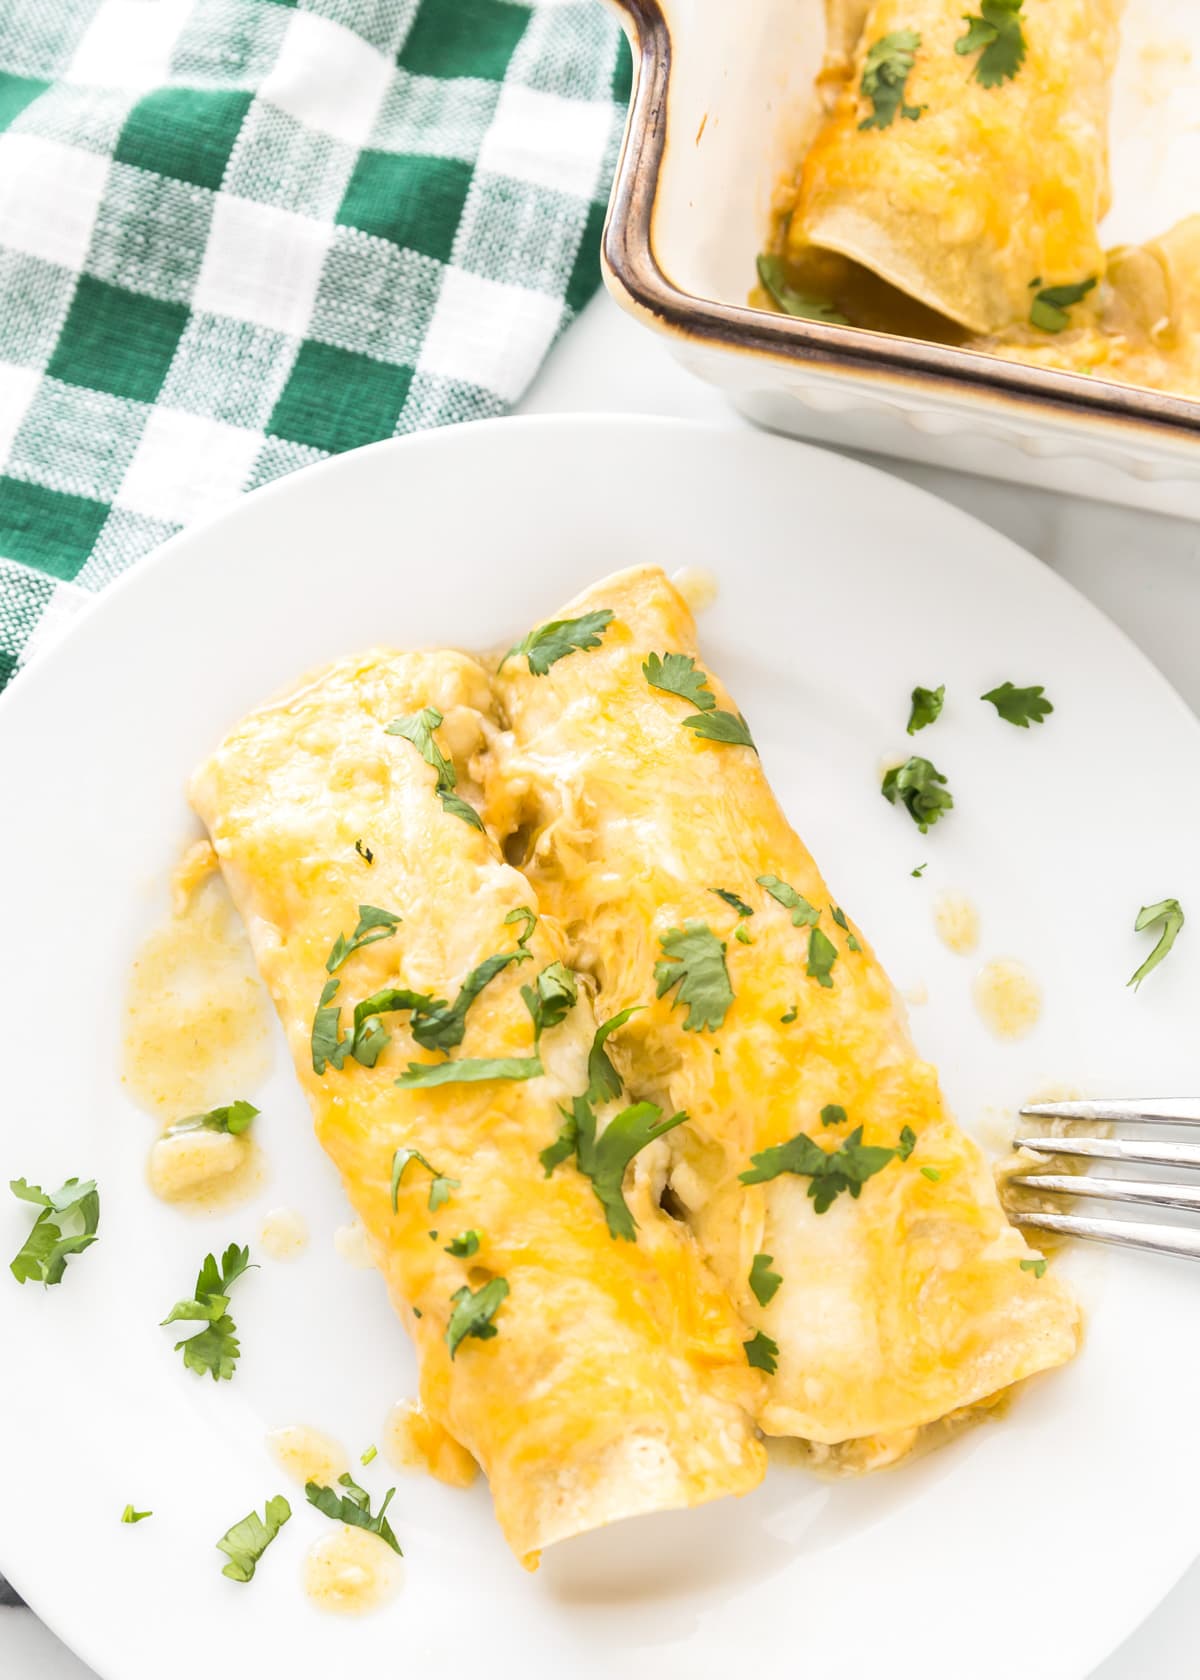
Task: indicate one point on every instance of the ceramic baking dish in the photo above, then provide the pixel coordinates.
(722, 109)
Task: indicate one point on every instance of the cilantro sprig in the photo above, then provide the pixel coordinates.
(233, 1118)
(830, 1172)
(440, 1188)
(921, 789)
(678, 674)
(762, 1353)
(551, 642)
(245, 1543)
(354, 1507)
(604, 1159)
(694, 961)
(926, 707)
(43, 1256)
(995, 33)
(763, 1281)
(215, 1349)
(474, 1312)
(1019, 706)
(418, 727)
(1048, 312)
(1167, 915)
(805, 306)
(886, 70)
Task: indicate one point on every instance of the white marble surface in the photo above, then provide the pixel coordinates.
(1143, 570)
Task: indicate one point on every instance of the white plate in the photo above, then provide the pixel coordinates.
(1049, 1534)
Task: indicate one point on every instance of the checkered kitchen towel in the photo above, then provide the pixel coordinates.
(237, 236)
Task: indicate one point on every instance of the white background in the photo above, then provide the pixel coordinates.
(1143, 570)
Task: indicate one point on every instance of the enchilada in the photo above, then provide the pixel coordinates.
(856, 1228)
(592, 1378)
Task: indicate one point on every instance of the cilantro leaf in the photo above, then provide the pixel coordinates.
(474, 1311)
(1048, 311)
(926, 707)
(234, 1118)
(921, 788)
(822, 954)
(839, 916)
(805, 306)
(1019, 706)
(551, 642)
(469, 1071)
(370, 1035)
(694, 960)
(418, 727)
(932, 1174)
(848, 1167)
(464, 1246)
(804, 914)
(247, 1540)
(551, 998)
(762, 1353)
(364, 851)
(604, 1159)
(740, 934)
(442, 1027)
(885, 78)
(1037, 1267)
(373, 924)
(368, 1454)
(763, 1281)
(733, 901)
(354, 1507)
(326, 1044)
(789, 1017)
(833, 1114)
(1167, 914)
(994, 33)
(522, 914)
(129, 1515)
(43, 1256)
(678, 674)
(728, 727)
(919, 871)
(215, 1349)
(439, 1189)
(603, 1080)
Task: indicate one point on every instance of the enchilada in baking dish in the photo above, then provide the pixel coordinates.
(856, 1229)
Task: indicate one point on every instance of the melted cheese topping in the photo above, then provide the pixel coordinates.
(1008, 998)
(283, 1234)
(896, 1308)
(306, 1455)
(413, 1440)
(350, 1571)
(644, 1324)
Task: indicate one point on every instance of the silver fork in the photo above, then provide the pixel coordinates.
(1148, 1192)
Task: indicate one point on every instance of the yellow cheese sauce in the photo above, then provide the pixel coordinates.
(352, 1244)
(306, 1455)
(283, 1234)
(205, 1172)
(350, 1571)
(1008, 997)
(698, 586)
(412, 1440)
(957, 922)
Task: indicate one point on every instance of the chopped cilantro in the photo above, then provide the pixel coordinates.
(247, 1540)
(1049, 309)
(833, 1114)
(442, 1027)
(474, 1311)
(551, 998)
(370, 1035)
(604, 1159)
(354, 1507)
(373, 924)
(741, 934)
(994, 33)
(234, 1118)
(522, 914)
(848, 1167)
(804, 914)
(921, 788)
(464, 1246)
(762, 1353)
(763, 1281)
(43, 1256)
(805, 306)
(551, 642)
(1037, 1267)
(822, 954)
(418, 727)
(215, 1349)
(908, 1142)
(694, 960)
(326, 1044)
(839, 917)
(919, 871)
(1019, 706)
(439, 1189)
(926, 707)
(364, 852)
(1167, 914)
(729, 727)
(471, 1070)
(129, 1515)
(885, 78)
(932, 1174)
(789, 1017)
(370, 1454)
(733, 901)
(603, 1079)
(678, 674)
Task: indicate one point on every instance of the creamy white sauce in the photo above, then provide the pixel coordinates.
(350, 1571)
(957, 922)
(307, 1455)
(353, 1245)
(1008, 997)
(283, 1234)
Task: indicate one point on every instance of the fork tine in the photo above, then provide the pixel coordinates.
(1115, 1149)
(1158, 1111)
(1125, 1233)
(1186, 1196)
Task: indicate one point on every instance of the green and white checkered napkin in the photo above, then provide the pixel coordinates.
(237, 236)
